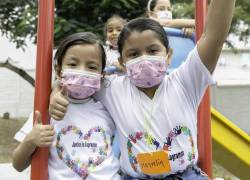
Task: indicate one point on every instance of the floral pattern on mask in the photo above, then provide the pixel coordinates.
(147, 71)
(80, 85)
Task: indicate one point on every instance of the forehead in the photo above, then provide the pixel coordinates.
(84, 52)
(165, 3)
(115, 22)
(138, 40)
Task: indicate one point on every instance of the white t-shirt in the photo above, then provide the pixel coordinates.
(82, 143)
(112, 55)
(27, 127)
(170, 117)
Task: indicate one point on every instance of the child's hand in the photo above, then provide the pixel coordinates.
(41, 135)
(188, 32)
(119, 67)
(58, 104)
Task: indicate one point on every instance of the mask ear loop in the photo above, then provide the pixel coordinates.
(103, 77)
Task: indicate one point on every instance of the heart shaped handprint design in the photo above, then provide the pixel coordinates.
(152, 142)
(98, 154)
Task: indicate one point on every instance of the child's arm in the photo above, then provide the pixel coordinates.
(119, 67)
(176, 23)
(39, 136)
(179, 23)
(217, 27)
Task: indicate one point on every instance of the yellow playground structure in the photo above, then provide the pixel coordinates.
(231, 146)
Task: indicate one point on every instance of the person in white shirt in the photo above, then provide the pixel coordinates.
(156, 114)
(112, 30)
(80, 144)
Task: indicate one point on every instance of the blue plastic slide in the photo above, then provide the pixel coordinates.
(181, 47)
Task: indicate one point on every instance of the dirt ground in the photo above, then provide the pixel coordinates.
(8, 128)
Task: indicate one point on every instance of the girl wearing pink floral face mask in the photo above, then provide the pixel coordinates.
(156, 114)
(80, 145)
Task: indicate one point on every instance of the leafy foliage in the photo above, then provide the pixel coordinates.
(18, 17)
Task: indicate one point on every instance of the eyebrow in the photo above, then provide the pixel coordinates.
(92, 62)
(167, 6)
(131, 50)
(72, 58)
(117, 26)
(153, 45)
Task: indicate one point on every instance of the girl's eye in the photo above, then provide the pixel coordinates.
(110, 30)
(71, 64)
(153, 51)
(93, 67)
(133, 54)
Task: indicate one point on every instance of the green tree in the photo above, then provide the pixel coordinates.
(241, 20)
(18, 20)
(18, 17)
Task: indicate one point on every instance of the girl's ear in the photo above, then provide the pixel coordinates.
(169, 56)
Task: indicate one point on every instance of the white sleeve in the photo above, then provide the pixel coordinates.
(194, 77)
(27, 127)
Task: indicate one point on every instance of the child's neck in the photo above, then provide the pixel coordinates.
(150, 92)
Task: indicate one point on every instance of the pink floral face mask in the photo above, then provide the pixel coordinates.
(147, 71)
(80, 84)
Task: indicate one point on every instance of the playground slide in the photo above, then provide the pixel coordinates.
(231, 146)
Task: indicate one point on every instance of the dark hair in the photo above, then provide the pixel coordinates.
(140, 25)
(114, 16)
(151, 5)
(77, 39)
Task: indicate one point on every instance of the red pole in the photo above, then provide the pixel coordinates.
(45, 38)
(204, 114)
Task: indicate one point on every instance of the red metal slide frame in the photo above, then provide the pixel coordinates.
(204, 114)
(45, 39)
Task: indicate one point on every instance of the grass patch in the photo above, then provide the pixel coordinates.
(8, 129)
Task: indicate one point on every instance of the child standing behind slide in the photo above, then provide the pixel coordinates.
(112, 30)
